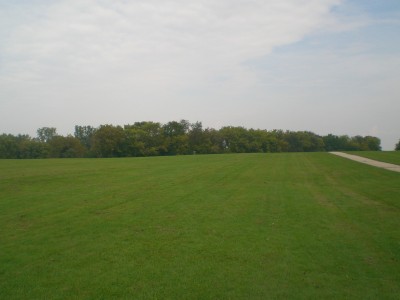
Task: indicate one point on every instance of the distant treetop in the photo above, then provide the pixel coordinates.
(173, 138)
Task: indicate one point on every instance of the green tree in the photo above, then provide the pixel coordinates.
(367, 143)
(22, 146)
(303, 141)
(175, 137)
(108, 141)
(150, 134)
(331, 142)
(346, 143)
(8, 146)
(235, 139)
(196, 138)
(133, 146)
(45, 134)
(174, 128)
(66, 147)
(372, 143)
(211, 141)
(32, 148)
(85, 134)
(397, 147)
(277, 141)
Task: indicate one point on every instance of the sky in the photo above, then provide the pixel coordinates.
(327, 66)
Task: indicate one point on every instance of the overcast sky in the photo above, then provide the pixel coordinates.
(328, 66)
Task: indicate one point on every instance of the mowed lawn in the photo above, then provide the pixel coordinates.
(240, 226)
(392, 157)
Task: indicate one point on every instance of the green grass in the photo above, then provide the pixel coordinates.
(249, 226)
(392, 157)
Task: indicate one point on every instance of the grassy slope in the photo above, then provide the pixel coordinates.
(199, 227)
(392, 157)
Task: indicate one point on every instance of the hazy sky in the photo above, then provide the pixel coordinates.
(328, 66)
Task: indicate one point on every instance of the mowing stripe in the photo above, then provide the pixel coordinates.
(371, 162)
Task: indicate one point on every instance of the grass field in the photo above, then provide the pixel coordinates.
(249, 226)
(392, 157)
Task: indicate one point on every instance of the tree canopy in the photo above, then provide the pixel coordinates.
(173, 138)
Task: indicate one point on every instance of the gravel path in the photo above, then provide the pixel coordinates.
(368, 161)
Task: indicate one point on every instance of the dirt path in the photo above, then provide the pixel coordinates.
(368, 161)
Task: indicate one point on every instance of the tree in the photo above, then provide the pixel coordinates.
(85, 134)
(367, 143)
(235, 139)
(397, 148)
(372, 143)
(331, 142)
(133, 146)
(174, 128)
(32, 148)
(22, 146)
(277, 142)
(108, 141)
(212, 142)
(8, 146)
(175, 137)
(66, 147)
(195, 138)
(152, 137)
(345, 143)
(45, 134)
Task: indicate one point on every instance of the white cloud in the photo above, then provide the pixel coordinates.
(153, 42)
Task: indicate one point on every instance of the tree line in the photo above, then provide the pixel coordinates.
(172, 138)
